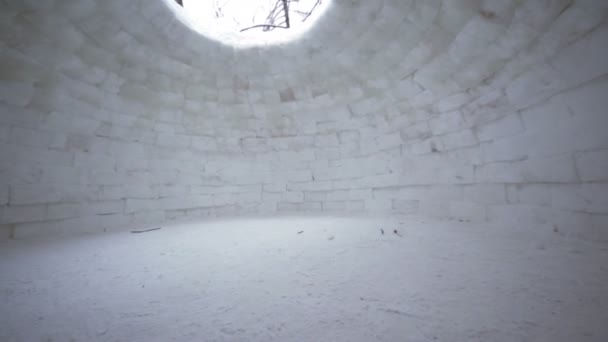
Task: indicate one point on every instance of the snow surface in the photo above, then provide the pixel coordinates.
(338, 280)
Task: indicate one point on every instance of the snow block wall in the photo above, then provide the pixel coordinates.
(114, 114)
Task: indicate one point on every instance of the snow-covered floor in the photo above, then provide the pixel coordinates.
(338, 280)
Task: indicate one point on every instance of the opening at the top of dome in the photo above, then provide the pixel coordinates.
(250, 22)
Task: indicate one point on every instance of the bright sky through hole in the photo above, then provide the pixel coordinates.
(223, 20)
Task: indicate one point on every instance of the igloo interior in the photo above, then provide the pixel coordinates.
(405, 170)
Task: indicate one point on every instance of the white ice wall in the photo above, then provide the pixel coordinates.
(114, 114)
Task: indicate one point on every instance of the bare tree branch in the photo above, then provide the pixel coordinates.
(286, 11)
(312, 10)
(279, 16)
(264, 26)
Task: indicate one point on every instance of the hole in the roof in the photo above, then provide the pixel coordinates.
(244, 23)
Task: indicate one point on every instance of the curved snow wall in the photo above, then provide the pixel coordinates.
(114, 114)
